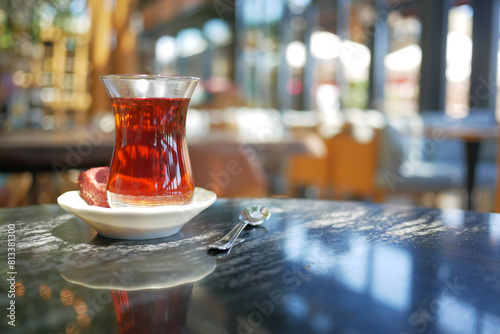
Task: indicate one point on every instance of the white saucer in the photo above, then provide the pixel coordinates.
(136, 223)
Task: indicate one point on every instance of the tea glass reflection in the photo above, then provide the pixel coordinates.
(150, 164)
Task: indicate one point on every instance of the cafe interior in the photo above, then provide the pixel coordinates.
(351, 144)
(356, 100)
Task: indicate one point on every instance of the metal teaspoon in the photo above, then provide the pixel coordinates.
(253, 215)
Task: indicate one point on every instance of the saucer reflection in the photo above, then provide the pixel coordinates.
(150, 289)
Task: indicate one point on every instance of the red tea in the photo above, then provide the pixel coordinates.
(152, 310)
(150, 164)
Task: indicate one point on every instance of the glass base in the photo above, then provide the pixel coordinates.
(120, 201)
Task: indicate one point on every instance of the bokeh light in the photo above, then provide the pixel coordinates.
(296, 54)
(45, 291)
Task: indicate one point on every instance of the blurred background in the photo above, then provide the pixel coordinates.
(344, 99)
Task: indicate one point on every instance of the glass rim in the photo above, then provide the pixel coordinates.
(148, 77)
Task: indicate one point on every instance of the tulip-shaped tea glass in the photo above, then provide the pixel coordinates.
(150, 164)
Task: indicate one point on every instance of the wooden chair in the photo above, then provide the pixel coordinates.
(348, 170)
(307, 171)
(17, 188)
(228, 169)
(353, 165)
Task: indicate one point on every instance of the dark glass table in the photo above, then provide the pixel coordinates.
(313, 267)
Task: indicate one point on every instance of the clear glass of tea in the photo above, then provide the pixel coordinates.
(150, 164)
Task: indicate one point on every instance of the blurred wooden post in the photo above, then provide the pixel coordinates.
(100, 52)
(124, 56)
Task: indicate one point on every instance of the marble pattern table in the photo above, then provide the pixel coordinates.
(314, 267)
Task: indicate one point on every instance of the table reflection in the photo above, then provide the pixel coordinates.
(150, 289)
(397, 282)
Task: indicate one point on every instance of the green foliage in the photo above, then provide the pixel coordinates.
(22, 21)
